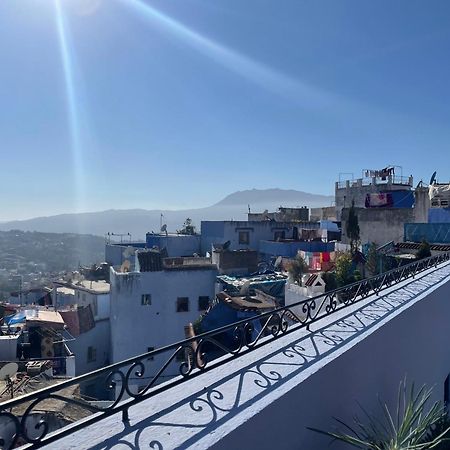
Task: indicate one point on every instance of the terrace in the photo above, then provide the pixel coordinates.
(299, 370)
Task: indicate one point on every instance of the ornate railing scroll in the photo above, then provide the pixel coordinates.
(23, 420)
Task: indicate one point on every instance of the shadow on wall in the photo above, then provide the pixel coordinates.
(190, 419)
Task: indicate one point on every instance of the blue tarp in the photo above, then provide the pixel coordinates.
(15, 319)
(433, 233)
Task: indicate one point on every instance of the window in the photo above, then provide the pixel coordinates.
(146, 299)
(244, 237)
(182, 304)
(203, 302)
(150, 349)
(278, 235)
(91, 354)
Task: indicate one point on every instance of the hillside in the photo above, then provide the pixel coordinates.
(139, 221)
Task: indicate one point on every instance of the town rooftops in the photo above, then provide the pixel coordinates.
(153, 261)
(93, 287)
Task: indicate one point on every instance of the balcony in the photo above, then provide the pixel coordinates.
(264, 388)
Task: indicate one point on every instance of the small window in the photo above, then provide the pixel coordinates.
(150, 349)
(182, 304)
(203, 302)
(91, 354)
(146, 299)
(244, 237)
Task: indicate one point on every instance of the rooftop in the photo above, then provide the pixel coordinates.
(278, 373)
(93, 287)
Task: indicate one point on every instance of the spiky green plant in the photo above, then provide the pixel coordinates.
(410, 428)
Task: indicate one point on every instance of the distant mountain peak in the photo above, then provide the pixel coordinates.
(286, 197)
(139, 221)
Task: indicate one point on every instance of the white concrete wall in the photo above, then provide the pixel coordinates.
(136, 327)
(98, 338)
(8, 347)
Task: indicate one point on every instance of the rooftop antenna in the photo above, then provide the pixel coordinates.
(243, 292)
(6, 374)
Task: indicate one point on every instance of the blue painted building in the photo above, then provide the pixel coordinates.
(175, 244)
(249, 234)
(434, 233)
(289, 249)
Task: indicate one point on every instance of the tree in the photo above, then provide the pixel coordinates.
(297, 268)
(344, 263)
(424, 250)
(352, 228)
(330, 281)
(188, 227)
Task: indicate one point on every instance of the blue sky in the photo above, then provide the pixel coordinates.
(176, 103)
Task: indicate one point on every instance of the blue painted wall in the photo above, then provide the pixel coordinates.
(439, 215)
(434, 233)
(176, 245)
(290, 249)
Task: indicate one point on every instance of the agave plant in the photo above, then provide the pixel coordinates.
(412, 427)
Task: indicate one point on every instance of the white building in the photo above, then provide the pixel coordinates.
(91, 345)
(312, 284)
(151, 306)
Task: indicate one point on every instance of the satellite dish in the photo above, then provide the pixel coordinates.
(278, 262)
(244, 289)
(8, 371)
(164, 228)
(433, 178)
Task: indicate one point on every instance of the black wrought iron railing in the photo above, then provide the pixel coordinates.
(24, 420)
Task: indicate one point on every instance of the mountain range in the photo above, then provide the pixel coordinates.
(139, 221)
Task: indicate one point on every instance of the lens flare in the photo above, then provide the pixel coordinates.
(254, 71)
(72, 110)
